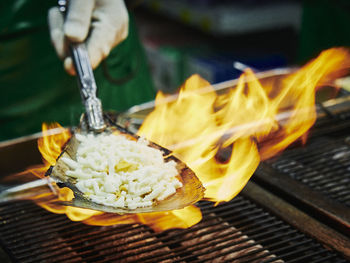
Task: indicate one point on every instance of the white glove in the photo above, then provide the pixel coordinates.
(102, 24)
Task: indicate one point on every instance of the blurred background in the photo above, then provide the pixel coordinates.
(168, 41)
(209, 37)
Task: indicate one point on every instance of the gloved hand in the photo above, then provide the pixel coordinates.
(102, 24)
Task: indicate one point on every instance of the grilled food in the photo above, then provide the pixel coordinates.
(113, 170)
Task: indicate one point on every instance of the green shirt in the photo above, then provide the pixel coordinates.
(325, 24)
(34, 86)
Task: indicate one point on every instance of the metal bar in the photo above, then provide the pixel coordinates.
(66, 244)
(330, 179)
(280, 244)
(329, 257)
(319, 178)
(285, 185)
(173, 241)
(75, 239)
(198, 236)
(233, 249)
(59, 224)
(129, 242)
(83, 246)
(304, 222)
(15, 210)
(302, 258)
(192, 250)
(310, 255)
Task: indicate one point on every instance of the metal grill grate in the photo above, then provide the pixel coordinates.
(237, 231)
(323, 165)
(316, 177)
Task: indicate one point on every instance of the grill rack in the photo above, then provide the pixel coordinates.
(327, 172)
(316, 177)
(271, 229)
(238, 231)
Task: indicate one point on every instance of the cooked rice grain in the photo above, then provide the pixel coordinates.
(115, 171)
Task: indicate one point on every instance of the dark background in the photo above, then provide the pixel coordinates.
(207, 37)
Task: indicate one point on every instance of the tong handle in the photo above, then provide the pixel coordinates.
(88, 88)
(86, 81)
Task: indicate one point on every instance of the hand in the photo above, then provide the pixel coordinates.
(102, 24)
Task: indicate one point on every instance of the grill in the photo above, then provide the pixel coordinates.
(317, 176)
(237, 231)
(327, 172)
(296, 209)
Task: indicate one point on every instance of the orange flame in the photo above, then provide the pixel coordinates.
(221, 137)
(247, 120)
(51, 144)
(50, 147)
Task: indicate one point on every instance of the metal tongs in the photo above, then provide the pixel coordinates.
(88, 89)
(86, 81)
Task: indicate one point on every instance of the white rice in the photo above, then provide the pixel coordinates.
(115, 171)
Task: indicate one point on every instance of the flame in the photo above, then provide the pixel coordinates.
(222, 138)
(252, 122)
(50, 147)
(51, 144)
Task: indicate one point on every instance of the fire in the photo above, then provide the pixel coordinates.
(50, 147)
(253, 122)
(222, 138)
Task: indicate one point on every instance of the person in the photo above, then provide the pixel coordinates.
(36, 87)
